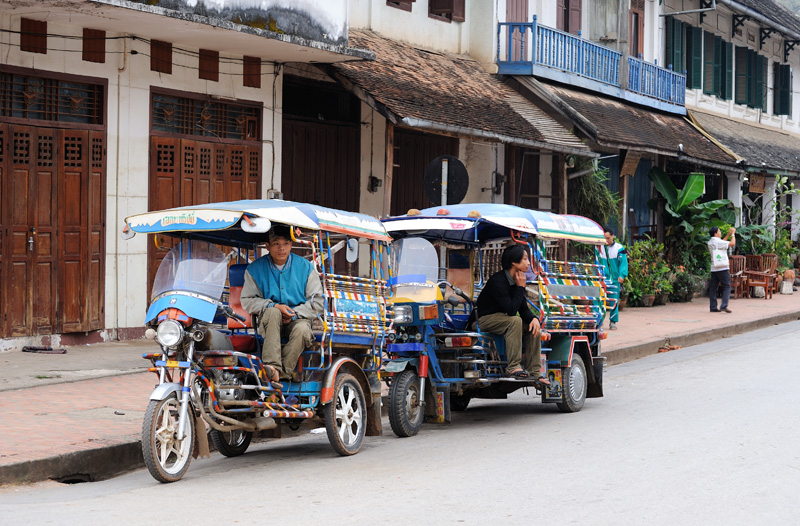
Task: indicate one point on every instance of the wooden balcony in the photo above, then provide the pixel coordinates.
(529, 48)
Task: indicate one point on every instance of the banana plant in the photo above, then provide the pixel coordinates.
(690, 217)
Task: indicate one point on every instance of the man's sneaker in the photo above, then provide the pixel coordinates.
(612, 326)
(726, 309)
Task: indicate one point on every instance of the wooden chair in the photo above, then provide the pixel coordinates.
(738, 277)
(634, 228)
(756, 277)
(769, 264)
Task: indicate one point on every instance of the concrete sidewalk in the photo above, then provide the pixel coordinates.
(78, 416)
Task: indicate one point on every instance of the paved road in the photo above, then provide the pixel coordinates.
(702, 435)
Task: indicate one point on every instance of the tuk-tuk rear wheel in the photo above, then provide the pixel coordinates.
(346, 415)
(405, 410)
(575, 384)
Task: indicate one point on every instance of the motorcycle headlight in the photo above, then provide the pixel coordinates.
(169, 333)
(403, 314)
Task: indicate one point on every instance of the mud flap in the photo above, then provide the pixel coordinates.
(200, 439)
(374, 424)
(595, 389)
(437, 404)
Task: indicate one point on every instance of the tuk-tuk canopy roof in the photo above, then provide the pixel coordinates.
(471, 222)
(228, 216)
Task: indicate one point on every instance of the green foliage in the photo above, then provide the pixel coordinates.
(589, 197)
(686, 219)
(648, 272)
(761, 239)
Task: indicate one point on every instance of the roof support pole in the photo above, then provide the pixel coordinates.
(387, 178)
(795, 216)
(560, 175)
(735, 193)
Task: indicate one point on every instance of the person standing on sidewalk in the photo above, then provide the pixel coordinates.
(502, 310)
(615, 260)
(720, 270)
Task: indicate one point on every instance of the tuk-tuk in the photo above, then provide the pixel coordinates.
(439, 359)
(209, 363)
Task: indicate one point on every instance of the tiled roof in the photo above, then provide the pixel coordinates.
(617, 124)
(760, 146)
(772, 11)
(445, 92)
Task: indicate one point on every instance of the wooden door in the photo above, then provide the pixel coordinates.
(517, 11)
(186, 172)
(414, 151)
(320, 164)
(51, 240)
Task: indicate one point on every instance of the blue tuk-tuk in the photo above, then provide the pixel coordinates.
(439, 359)
(209, 364)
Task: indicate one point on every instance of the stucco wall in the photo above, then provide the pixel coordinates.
(414, 27)
(719, 22)
(320, 20)
(128, 127)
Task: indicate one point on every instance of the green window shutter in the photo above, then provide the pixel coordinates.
(751, 77)
(764, 81)
(718, 65)
(668, 53)
(782, 100)
(708, 63)
(741, 75)
(728, 56)
(678, 40)
(758, 81)
(694, 57)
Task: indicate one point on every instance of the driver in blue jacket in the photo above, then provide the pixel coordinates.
(285, 292)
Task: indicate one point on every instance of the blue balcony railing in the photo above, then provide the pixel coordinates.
(653, 81)
(528, 48)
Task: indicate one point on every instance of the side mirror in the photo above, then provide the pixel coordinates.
(352, 250)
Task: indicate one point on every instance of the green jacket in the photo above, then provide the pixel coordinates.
(615, 260)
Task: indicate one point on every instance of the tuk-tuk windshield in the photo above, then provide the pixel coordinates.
(416, 268)
(192, 266)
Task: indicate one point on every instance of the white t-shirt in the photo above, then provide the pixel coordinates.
(719, 254)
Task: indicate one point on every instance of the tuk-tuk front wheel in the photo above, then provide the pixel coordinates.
(346, 415)
(166, 456)
(405, 410)
(574, 383)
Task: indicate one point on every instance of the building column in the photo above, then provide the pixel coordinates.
(735, 193)
(768, 206)
(795, 216)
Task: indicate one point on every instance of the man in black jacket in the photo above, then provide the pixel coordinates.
(502, 298)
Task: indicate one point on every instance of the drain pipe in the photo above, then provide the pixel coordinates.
(701, 10)
(760, 18)
(116, 190)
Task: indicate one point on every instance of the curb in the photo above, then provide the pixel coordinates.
(80, 466)
(106, 462)
(634, 352)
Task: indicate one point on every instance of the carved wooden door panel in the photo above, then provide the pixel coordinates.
(19, 214)
(3, 258)
(72, 235)
(44, 231)
(164, 192)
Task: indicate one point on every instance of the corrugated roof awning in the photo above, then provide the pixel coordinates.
(448, 93)
(760, 147)
(616, 124)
